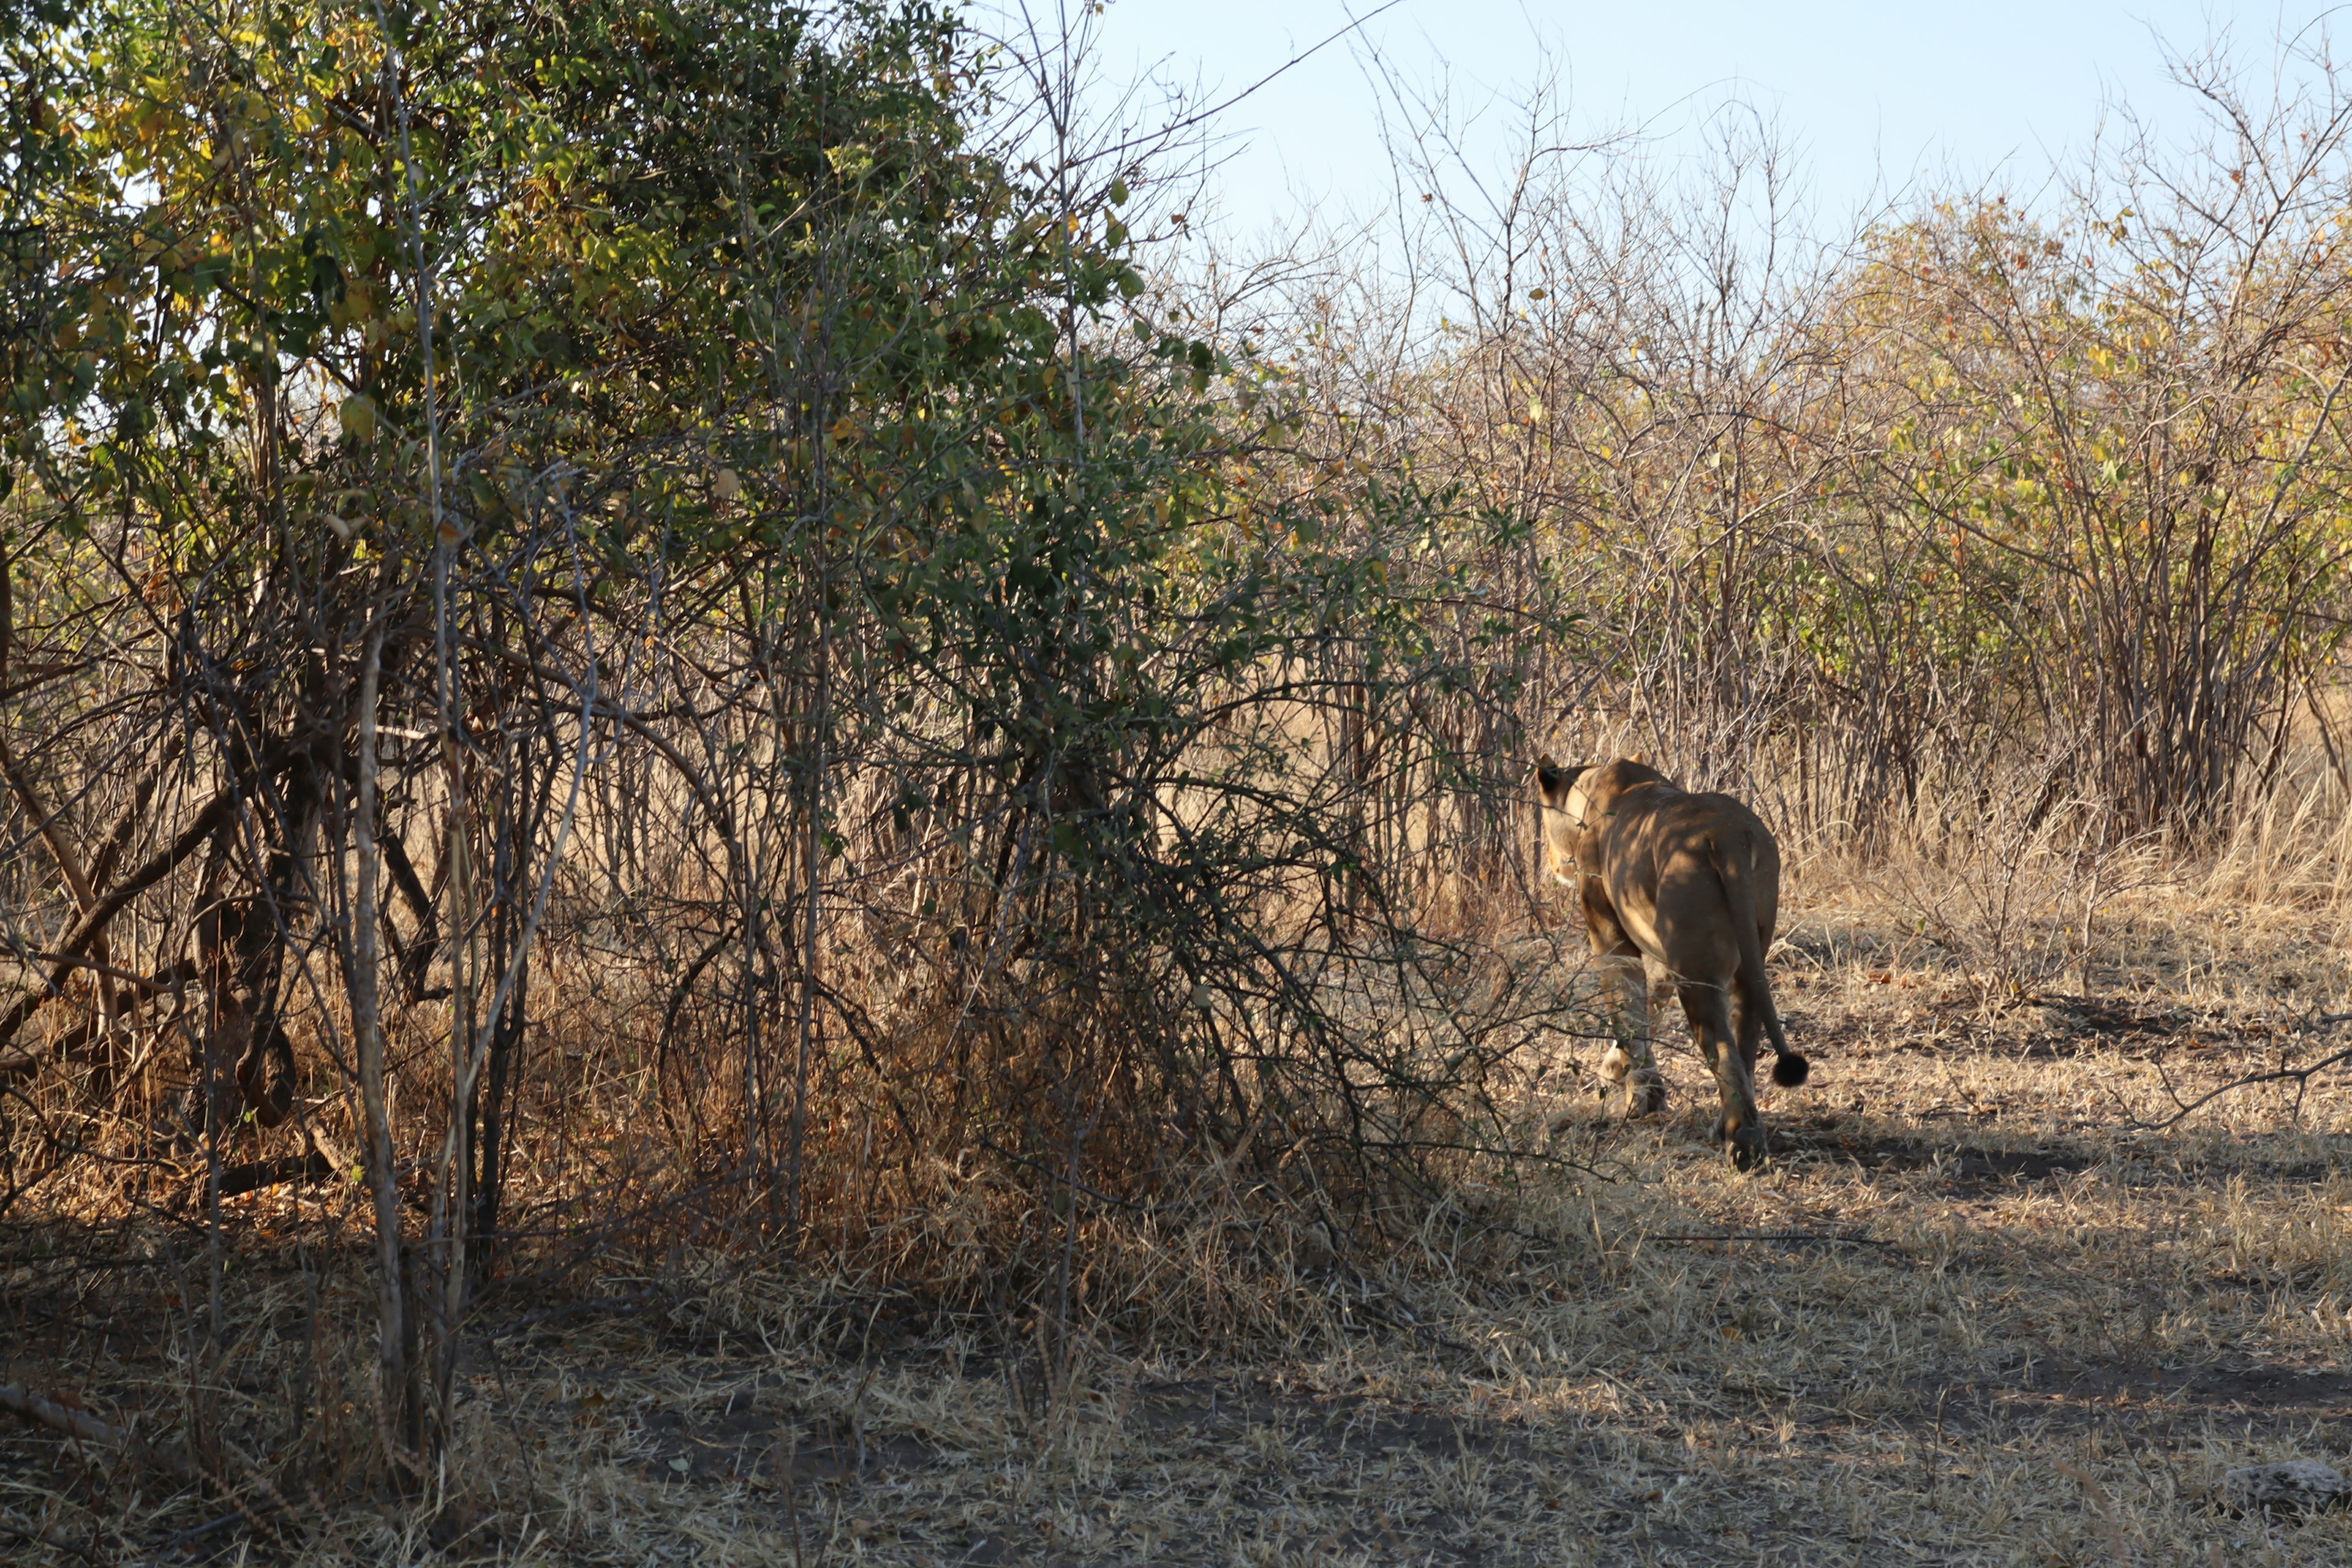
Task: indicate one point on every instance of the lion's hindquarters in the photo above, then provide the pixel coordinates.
(1744, 857)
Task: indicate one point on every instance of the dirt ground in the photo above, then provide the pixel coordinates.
(1980, 1308)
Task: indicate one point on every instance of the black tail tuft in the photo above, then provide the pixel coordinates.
(1790, 1069)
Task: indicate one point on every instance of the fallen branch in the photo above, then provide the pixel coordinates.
(251, 1177)
(171, 1461)
(81, 1423)
(2299, 1077)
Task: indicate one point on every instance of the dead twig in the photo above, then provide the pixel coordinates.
(2299, 1077)
(166, 1458)
(89, 1428)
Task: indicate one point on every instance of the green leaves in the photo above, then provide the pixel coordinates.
(728, 299)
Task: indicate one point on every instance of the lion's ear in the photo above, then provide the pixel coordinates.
(1554, 780)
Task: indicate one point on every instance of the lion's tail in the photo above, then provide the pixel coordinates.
(1788, 1069)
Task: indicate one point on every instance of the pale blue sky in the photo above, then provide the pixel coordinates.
(1870, 94)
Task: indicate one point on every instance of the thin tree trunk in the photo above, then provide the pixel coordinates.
(397, 1414)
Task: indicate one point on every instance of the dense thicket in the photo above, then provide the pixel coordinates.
(605, 592)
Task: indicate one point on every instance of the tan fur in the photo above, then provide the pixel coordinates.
(1688, 886)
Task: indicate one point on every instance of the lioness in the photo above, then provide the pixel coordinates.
(1689, 885)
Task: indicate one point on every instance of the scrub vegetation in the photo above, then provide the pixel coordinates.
(746, 823)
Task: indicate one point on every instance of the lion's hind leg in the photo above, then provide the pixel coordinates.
(1742, 1128)
(1629, 1062)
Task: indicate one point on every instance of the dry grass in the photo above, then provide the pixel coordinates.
(1970, 1316)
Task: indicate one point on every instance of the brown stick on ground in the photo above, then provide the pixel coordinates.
(170, 1460)
(81, 1423)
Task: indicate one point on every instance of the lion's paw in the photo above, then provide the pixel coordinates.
(1745, 1144)
(1646, 1093)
